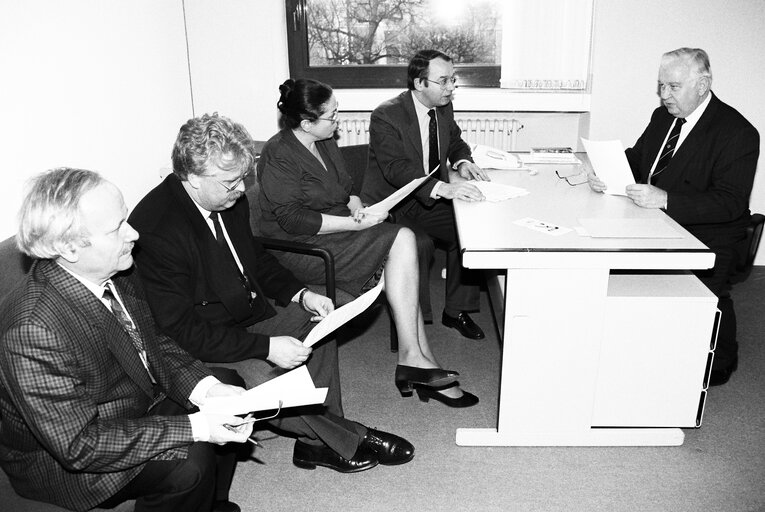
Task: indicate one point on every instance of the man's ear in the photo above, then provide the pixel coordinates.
(68, 251)
(703, 85)
(194, 180)
(419, 84)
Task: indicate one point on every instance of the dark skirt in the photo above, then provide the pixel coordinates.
(359, 257)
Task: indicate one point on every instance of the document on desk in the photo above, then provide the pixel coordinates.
(396, 197)
(610, 164)
(495, 192)
(292, 389)
(342, 315)
(628, 228)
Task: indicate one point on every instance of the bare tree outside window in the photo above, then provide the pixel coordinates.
(389, 32)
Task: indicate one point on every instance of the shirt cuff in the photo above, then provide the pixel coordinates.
(199, 394)
(457, 164)
(200, 431)
(434, 192)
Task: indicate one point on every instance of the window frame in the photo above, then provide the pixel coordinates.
(363, 76)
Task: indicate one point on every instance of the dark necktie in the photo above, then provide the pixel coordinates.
(126, 324)
(433, 158)
(668, 150)
(221, 239)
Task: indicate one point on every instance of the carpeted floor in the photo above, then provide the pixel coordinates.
(720, 467)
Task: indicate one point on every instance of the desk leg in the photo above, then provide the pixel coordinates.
(552, 333)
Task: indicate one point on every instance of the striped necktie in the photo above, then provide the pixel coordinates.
(668, 150)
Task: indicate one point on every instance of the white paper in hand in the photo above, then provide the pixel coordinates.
(396, 197)
(342, 314)
(610, 164)
(293, 389)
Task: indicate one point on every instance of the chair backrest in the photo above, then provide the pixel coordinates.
(356, 163)
(751, 243)
(14, 265)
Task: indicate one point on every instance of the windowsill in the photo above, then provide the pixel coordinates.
(476, 99)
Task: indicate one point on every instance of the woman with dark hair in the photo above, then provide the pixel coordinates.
(305, 196)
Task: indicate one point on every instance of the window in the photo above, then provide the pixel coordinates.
(367, 43)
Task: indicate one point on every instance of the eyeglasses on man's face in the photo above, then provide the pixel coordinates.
(232, 185)
(444, 82)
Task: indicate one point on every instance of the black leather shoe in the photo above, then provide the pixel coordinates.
(464, 324)
(308, 456)
(390, 448)
(408, 376)
(225, 506)
(466, 400)
(720, 376)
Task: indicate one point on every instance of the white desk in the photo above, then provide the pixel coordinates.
(571, 345)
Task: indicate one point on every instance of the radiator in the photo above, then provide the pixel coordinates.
(490, 129)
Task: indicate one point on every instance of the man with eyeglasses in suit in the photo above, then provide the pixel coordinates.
(409, 136)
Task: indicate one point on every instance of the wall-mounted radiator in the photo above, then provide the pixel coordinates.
(491, 129)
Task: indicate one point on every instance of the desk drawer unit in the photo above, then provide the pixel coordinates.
(659, 331)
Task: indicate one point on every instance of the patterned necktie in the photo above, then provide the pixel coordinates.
(668, 150)
(221, 239)
(126, 324)
(433, 158)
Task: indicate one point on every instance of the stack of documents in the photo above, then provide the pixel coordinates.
(550, 155)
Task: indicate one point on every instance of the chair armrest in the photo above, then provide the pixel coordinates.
(275, 244)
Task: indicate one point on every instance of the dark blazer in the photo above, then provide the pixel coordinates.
(395, 150)
(295, 189)
(709, 178)
(195, 297)
(75, 396)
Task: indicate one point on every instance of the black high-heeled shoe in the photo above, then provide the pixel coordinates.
(466, 400)
(409, 376)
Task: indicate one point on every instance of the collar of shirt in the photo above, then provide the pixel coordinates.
(423, 119)
(98, 291)
(692, 119)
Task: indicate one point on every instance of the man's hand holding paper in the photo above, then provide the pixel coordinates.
(610, 165)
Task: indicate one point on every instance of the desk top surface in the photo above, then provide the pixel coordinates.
(488, 227)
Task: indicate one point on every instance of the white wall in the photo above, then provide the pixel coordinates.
(631, 35)
(99, 84)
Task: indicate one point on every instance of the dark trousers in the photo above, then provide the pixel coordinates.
(718, 280)
(191, 484)
(314, 425)
(436, 224)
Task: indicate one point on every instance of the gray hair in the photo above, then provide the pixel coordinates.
(697, 57)
(49, 217)
(212, 139)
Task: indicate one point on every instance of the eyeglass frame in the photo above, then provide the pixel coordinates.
(234, 184)
(580, 173)
(445, 80)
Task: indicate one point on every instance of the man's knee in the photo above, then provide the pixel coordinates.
(197, 470)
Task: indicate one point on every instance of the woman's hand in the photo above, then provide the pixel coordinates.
(364, 219)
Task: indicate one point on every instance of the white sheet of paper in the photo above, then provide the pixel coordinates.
(495, 192)
(628, 228)
(610, 164)
(342, 314)
(294, 388)
(396, 197)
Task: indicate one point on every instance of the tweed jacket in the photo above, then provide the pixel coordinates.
(395, 150)
(195, 297)
(75, 425)
(709, 178)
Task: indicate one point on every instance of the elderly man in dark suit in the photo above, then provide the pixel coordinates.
(409, 136)
(696, 160)
(214, 289)
(96, 406)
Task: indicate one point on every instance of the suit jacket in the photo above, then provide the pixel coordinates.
(195, 294)
(395, 150)
(75, 396)
(709, 178)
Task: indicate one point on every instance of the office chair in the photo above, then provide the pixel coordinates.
(356, 160)
(748, 247)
